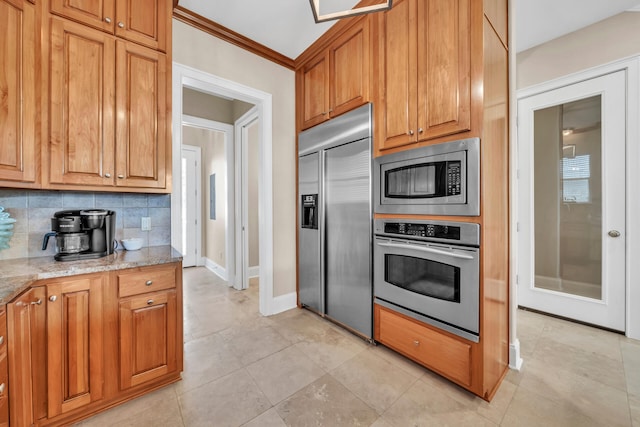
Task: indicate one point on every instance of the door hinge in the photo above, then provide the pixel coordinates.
(517, 279)
(517, 227)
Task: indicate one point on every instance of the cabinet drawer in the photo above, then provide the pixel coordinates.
(147, 279)
(440, 352)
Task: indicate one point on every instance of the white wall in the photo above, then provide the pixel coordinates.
(603, 42)
(203, 52)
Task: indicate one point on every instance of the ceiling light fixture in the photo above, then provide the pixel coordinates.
(361, 10)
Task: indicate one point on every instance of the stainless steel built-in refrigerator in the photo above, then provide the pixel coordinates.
(334, 219)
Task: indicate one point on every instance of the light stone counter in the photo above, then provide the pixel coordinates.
(16, 275)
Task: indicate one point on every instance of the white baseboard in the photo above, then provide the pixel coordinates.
(283, 303)
(216, 269)
(515, 361)
(254, 271)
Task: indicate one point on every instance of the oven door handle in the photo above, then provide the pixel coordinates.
(426, 249)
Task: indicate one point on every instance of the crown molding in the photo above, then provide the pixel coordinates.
(189, 17)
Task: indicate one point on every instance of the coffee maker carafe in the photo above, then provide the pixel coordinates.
(82, 234)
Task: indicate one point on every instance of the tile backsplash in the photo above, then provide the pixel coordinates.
(33, 210)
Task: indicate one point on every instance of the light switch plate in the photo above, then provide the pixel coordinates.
(145, 223)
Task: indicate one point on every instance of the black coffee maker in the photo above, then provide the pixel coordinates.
(82, 234)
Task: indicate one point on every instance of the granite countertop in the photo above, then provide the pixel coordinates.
(17, 274)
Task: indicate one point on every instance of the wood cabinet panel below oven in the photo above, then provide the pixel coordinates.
(446, 355)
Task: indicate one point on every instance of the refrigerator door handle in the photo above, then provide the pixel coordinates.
(321, 211)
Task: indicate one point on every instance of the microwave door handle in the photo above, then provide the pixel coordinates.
(426, 249)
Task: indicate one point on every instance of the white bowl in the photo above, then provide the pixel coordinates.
(132, 244)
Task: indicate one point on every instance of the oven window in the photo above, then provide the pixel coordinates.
(423, 276)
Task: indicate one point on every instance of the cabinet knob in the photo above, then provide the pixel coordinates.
(411, 132)
(38, 302)
(150, 302)
(420, 130)
(2, 388)
(53, 298)
(324, 113)
(107, 175)
(120, 176)
(149, 282)
(1, 339)
(107, 20)
(416, 343)
(121, 24)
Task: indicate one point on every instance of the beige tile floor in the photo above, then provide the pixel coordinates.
(296, 369)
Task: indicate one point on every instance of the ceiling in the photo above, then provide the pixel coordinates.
(288, 27)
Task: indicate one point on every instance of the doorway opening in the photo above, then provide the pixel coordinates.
(186, 77)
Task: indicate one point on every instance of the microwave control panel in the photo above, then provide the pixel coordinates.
(454, 177)
(459, 232)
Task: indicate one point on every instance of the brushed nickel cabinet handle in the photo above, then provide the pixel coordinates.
(38, 302)
(121, 24)
(150, 302)
(120, 176)
(107, 20)
(149, 282)
(53, 298)
(614, 233)
(411, 132)
(107, 175)
(420, 130)
(2, 387)
(1, 339)
(416, 343)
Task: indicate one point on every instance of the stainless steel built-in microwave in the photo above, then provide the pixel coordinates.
(440, 179)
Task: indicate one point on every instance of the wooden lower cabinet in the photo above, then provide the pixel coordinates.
(147, 337)
(76, 347)
(4, 374)
(450, 357)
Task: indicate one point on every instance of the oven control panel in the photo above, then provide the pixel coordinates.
(422, 230)
(458, 232)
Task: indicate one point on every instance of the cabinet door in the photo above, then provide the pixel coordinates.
(142, 116)
(26, 351)
(148, 337)
(349, 69)
(99, 14)
(398, 101)
(82, 105)
(315, 91)
(74, 342)
(444, 68)
(144, 22)
(18, 91)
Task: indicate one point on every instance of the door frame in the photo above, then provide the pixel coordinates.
(184, 76)
(631, 67)
(197, 171)
(241, 193)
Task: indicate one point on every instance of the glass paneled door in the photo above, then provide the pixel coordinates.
(571, 209)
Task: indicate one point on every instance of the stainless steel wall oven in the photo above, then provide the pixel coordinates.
(430, 270)
(439, 179)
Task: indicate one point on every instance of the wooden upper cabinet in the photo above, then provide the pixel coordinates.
(315, 91)
(144, 22)
(337, 79)
(142, 122)
(105, 90)
(75, 342)
(100, 14)
(140, 21)
(18, 118)
(82, 97)
(425, 81)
